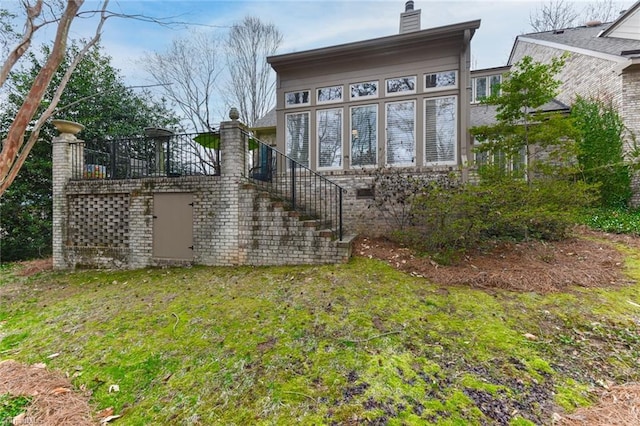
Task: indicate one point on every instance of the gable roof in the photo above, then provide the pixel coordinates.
(615, 41)
(617, 27)
(380, 45)
(585, 40)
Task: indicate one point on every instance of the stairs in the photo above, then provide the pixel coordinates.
(275, 235)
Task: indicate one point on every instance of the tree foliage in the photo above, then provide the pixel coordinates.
(523, 127)
(251, 87)
(106, 107)
(600, 143)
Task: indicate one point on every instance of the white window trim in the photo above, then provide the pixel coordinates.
(456, 142)
(386, 135)
(406, 92)
(359, 98)
(319, 102)
(438, 89)
(341, 139)
(286, 105)
(367, 166)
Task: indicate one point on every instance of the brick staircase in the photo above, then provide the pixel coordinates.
(283, 236)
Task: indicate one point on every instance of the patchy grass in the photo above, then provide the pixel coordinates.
(360, 343)
(11, 406)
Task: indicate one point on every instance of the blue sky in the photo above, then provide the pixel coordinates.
(305, 24)
(308, 24)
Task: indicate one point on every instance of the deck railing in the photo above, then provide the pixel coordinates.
(149, 156)
(304, 190)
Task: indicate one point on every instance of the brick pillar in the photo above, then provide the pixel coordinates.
(65, 147)
(232, 157)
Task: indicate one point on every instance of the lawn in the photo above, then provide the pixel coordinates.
(357, 343)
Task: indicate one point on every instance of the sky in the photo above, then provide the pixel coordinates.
(305, 24)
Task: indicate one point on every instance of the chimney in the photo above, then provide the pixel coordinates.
(409, 19)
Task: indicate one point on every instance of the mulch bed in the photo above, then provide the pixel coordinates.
(589, 259)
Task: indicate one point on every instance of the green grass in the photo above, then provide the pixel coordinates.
(319, 345)
(11, 406)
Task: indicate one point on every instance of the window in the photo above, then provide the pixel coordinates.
(440, 130)
(440, 81)
(485, 86)
(297, 137)
(514, 164)
(295, 99)
(401, 132)
(367, 89)
(329, 125)
(364, 135)
(401, 86)
(329, 94)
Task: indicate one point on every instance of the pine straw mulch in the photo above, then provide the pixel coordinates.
(589, 259)
(617, 406)
(54, 402)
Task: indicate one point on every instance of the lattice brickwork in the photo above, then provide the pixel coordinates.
(99, 220)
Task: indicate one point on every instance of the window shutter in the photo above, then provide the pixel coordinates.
(297, 137)
(364, 135)
(401, 133)
(440, 130)
(330, 137)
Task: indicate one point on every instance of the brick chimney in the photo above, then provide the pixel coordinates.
(409, 19)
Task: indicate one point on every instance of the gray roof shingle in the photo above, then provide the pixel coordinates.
(587, 38)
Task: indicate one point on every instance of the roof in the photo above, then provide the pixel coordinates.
(375, 45)
(266, 121)
(587, 38)
(594, 37)
(621, 19)
(485, 115)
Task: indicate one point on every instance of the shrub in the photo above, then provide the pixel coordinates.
(452, 219)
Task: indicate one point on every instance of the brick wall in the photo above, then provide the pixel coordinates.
(110, 223)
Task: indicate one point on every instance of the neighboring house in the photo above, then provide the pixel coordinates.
(399, 101)
(603, 61)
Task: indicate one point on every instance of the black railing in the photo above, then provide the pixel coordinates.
(304, 190)
(150, 156)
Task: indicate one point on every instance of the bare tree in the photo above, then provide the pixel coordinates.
(188, 72)
(553, 15)
(251, 86)
(602, 10)
(559, 14)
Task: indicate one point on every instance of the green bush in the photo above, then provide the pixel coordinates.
(450, 220)
(618, 221)
(600, 150)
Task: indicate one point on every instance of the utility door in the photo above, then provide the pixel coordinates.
(173, 226)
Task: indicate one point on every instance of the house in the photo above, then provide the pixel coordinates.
(603, 61)
(400, 101)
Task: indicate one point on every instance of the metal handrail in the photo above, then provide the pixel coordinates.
(167, 155)
(306, 191)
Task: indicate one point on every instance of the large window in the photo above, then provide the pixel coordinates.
(329, 126)
(440, 81)
(297, 137)
(440, 130)
(364, 135)
(482, 87)
(401, 142)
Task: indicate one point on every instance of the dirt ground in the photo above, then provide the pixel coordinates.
(590, 259)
